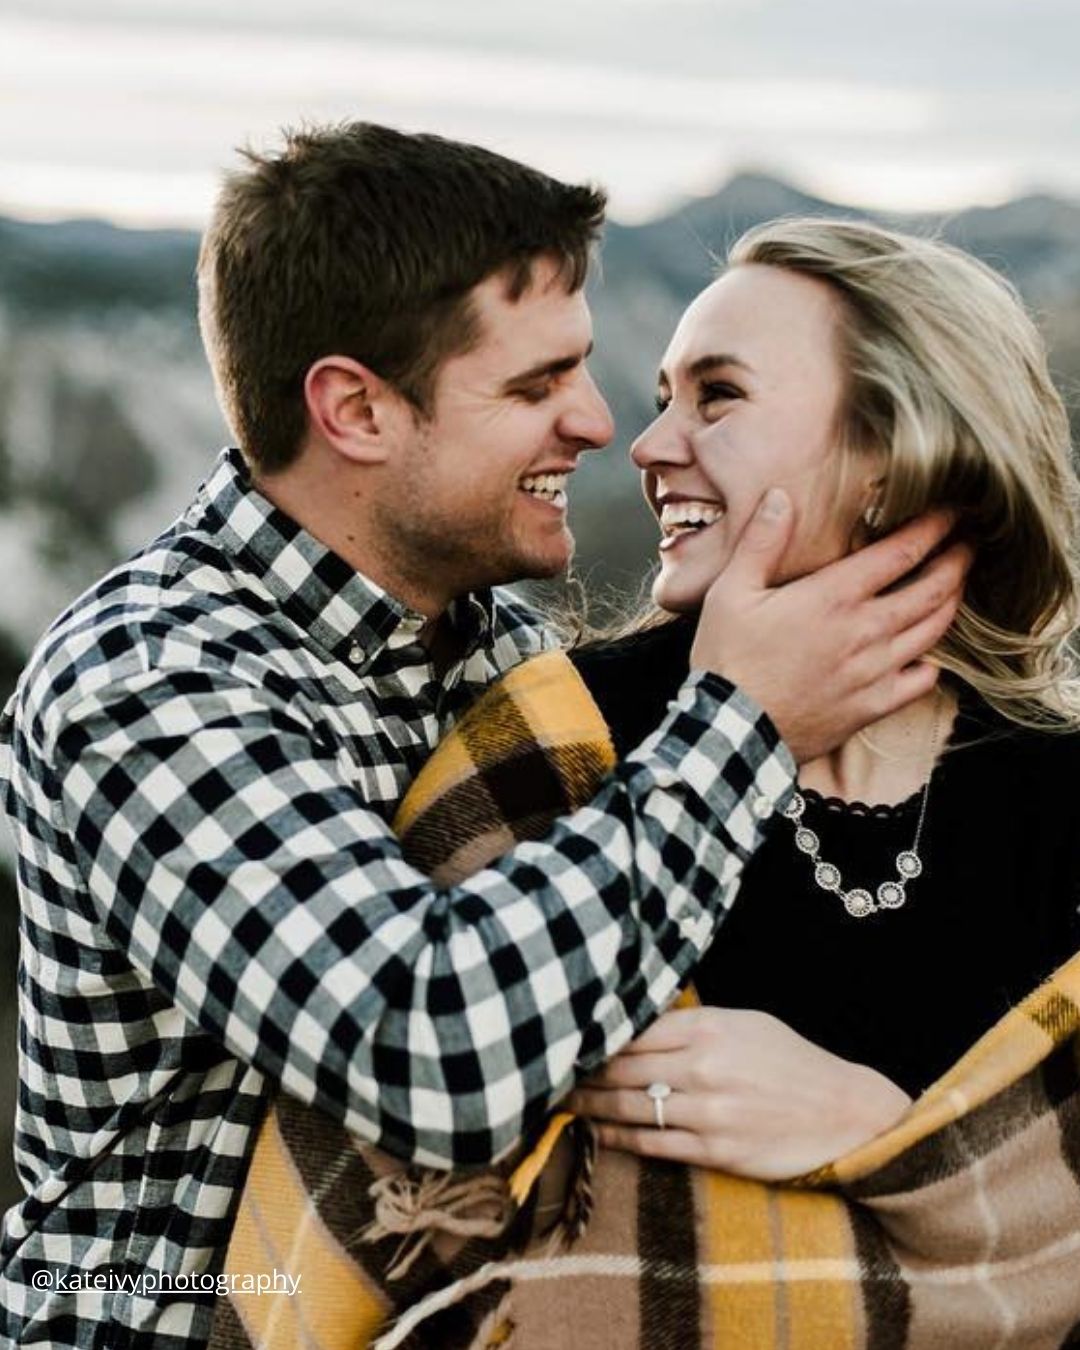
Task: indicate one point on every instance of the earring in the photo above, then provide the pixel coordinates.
(873, 513)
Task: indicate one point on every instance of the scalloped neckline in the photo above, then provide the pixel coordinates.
(878, 810)
(894, 810)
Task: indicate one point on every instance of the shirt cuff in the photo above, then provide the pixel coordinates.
(725, 748)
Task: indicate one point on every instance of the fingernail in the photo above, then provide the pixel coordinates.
(774, 504)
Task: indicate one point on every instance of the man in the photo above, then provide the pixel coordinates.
(206, 748)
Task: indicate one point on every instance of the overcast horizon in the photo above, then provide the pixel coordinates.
(132, 113)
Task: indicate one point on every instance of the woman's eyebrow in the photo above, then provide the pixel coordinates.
(709, 362)
(704, 363)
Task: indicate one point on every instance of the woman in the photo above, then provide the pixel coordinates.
(869, 376)
(927, 875)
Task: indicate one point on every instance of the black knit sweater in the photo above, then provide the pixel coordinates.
(907, 990)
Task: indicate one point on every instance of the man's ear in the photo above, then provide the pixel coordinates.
(354, 411)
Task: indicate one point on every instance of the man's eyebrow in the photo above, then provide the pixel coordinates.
(547, 368)
(709, 362)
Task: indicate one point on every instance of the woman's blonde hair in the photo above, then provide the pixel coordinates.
(948, 388)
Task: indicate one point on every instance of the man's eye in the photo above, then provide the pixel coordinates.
(534, 393)
(660, 402)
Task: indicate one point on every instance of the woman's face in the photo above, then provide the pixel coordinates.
(750, 392)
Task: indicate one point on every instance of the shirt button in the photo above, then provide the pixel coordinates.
(690, 927)
(761, 806)
(356, 654)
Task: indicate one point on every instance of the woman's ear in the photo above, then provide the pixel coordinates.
(351, 409)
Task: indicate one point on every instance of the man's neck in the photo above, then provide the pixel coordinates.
(324, 499)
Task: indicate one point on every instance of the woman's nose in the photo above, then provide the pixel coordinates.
(660, 443)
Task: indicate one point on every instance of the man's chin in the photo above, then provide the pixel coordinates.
(524, 569)
(545, 564)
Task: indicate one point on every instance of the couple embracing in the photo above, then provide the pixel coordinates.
(847, 736)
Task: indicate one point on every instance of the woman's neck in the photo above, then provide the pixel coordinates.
(889, 760)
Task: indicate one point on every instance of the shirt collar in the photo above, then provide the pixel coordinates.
(345, 612)
(473, 616)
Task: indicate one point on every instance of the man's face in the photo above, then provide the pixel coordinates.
(477, 496)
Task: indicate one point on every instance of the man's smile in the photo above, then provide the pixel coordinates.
(546, 487)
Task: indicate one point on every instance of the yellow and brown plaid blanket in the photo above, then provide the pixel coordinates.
(959, 1229)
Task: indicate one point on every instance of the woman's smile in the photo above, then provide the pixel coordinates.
(683, 516)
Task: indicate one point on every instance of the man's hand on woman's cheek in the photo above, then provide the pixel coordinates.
(836, 650)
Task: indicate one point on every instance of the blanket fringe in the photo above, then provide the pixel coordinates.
(398, 1334)
(420, 1207)
(579, 1203)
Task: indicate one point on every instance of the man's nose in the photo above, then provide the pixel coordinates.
(589, 420)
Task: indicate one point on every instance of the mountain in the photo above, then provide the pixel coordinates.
(107, 414)
(78, 266)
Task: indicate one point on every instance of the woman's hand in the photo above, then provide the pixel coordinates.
(748, 1095)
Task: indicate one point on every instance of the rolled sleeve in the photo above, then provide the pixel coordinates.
(248, 880)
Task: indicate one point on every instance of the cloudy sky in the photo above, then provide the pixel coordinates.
(131, 108)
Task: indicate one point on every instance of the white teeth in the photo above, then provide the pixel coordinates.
(550, 486)
(689, 515)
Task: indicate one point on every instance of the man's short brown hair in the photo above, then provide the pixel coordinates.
(363, 241)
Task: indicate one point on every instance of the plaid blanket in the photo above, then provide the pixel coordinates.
(959, 1229)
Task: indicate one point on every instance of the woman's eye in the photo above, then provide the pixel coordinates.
(715, 391)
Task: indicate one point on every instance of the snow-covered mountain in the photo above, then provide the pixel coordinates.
(108, 420)
(107, 415)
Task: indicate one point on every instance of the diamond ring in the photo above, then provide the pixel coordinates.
(658, 1093)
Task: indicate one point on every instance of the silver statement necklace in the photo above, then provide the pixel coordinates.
(890, 894)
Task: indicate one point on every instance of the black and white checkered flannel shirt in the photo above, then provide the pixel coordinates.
(202, 760)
